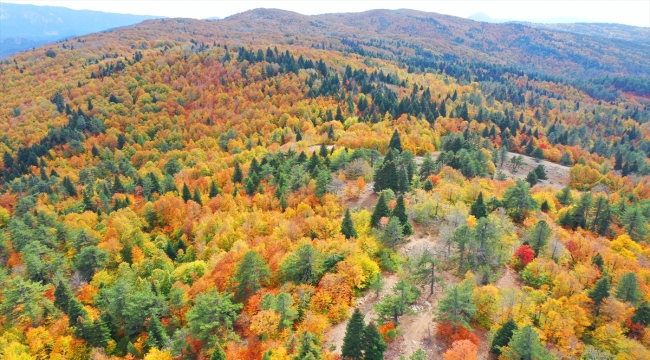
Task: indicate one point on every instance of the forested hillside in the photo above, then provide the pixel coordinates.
(277, 186)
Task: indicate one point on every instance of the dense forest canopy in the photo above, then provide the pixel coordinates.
(187, 189)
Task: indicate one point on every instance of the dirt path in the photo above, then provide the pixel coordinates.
(558, 175)
(508, 280)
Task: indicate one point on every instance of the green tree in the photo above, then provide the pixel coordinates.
(428, 166)
(309, 348)
(213, 315)
(601, 214)
(352, 348)
(395, 142)
(156, 335)
(419, 354)
(393, 233)
(376, 284)
(642, 314)
(90, 260)
(197, 196)
(428, 185)
(400, 213)
(24, 302)
(186, 193)
(634, 222)
(62, 295)
(373, 344)
(503, 336)
(598, 261)
(347, 226)
(538, 236)
(566, 160)
(76, 313)
(251, 273)
(214, 190)
(457, 306)
(283, 305)
(425, 270)
(525, 345)
(237, 175)
(478, 208)
(564, 196)
(517, 200)
(628, 288)
(537, 154)
(218, 353)
(381, 210)
(531, 178)
(302, 266)
(600, 292)
(323, 179)
(540, 171)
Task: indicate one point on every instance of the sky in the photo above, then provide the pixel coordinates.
(630, 12)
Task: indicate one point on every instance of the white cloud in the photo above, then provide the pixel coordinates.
(632, 12)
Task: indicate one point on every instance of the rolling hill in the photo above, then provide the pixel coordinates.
(277, 186)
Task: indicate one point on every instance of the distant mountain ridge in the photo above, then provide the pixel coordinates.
(577, 26)
(25, 26)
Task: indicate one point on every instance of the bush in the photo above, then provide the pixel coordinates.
(448, 336)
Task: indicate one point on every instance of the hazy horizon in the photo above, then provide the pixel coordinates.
(635, 13)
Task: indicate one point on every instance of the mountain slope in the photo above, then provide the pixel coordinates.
(184, 189)
(39, 24)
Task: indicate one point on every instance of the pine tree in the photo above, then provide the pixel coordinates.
(540, 171)
(186, 193)
(566, 160)
(347, 226)
(600, 292)
(478, 208)
(251, 273)
(602, 216)
(634, 222)
(598, 261)
(457, 306)
(531, 178)
(76, 312)
(62, 295)
(545, 207)
(323, 179)
(97, 333)
(525, 345)
(393, 233)
(400, 213)
(309, 348)
(428, 185)
(352, 348)
(517, 200)
(381, 210)
(395, 142)
(564, 196)
(529, 148)
(537, 154)
(373, 344)
(117, 185)
(197, 196)
(538, 236)
(214, 190)
(642, 314)
(503, 336)
(156, 334)
(628, 288)
(339, 114)
(428, 166)
(218, 353)
(237, 175)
